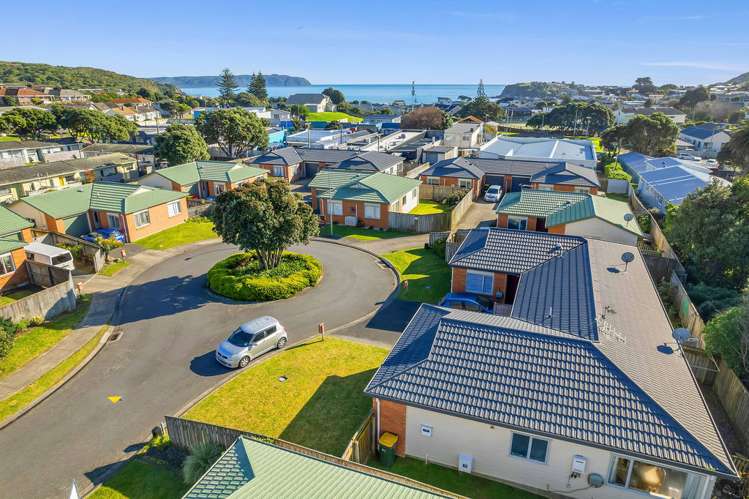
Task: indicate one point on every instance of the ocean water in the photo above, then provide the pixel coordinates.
(385, 94)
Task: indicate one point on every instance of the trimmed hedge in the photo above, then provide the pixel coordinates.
(239, 277)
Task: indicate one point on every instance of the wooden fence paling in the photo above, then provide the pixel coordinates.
(436, 192)
(419, 223)
(734, 397)
(460, 209)
(362, 445)
(703, 366)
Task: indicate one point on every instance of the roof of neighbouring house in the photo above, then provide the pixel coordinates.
(514, 167)
(454, 167)
(361, 186)
(583, 357)
(647, 111)
(674, 183)
(283, 156)
(537, 202)
(217, 171)
(370, 161)
(567, 174)
(122, 148)
(104, 196)
(305, 99)
(325, 155)
(25, 144)
(540, 148)
(703, 131)
(254, 468)
(10, 225)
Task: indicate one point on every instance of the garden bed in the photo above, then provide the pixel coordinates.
(240, 277)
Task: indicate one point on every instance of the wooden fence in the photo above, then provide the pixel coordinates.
(437, 192)
(460, 210)
(362, 444)
(437, 222)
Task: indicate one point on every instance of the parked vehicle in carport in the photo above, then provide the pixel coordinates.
(105, 233)
(250, 340)
(468, 301)
(493, 193)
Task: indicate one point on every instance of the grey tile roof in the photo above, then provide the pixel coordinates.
(325, 155)
(283, 156)
(510, 251)
(514, 167)
(305, 99)
(455, 167)
(370, 161)
(567, 174)
(13, 145)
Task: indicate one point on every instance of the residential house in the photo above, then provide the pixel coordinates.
(259, 467)
(550, 150)
(567, 177)
(316, 103)
(21, 181)
(706, 139)
(15, 232)
(135, 210)
(67, 95)
(140, 114)
(569, 213)
(297, 163)
(360, 198)
(623, 115)
(636, 163)
(110, 167)
(671, 185)
(279, 117)
(26, 96)
(465, 136)
(284, 163)
(203, 179)
(144, 154)
(382, 119)
(24, 152)
(455, 172)
(433, 154)
(578, 391)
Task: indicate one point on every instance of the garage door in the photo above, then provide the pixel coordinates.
(77, 225)
(519, 181)
(494, 180)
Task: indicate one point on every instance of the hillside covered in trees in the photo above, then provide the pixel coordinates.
(272, 80)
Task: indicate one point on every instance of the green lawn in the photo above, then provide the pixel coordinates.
(9, 138)
(14, 296)
(36, 340)
(111, 269)
(453, 481)
(360, 233)
(331, 116)
(320, 405)
(142, 478)
(427, 274)
(430, 208)
(186, 233)
(596, 141)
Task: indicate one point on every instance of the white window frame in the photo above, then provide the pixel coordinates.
(219, 188)
(465, 183)
(275, 169)
(334, 207)
(136, 216)
(483, 275)
(3, 267)
(433, 180)
(691, 476)
(580, 188)
(113, 217)
(519, 219)
(527, 457)
(545, 187)
(369, 208)
(170, 209)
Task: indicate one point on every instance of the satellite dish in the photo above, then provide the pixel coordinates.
(681, 335)
(628, 217)
(627, 257)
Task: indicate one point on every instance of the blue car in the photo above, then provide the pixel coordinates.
(468, 301)
(106, 234)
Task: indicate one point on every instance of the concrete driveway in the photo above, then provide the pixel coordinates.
(480, 214)
(163, 360)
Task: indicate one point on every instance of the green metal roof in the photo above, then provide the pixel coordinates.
(10, 222)
(105, 196)
(537, 203)
(373, 187)
(250, 468)
(609, 210)
(217, 171)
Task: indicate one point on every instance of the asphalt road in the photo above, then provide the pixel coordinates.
(164, 359)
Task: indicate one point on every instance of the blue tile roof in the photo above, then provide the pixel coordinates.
(504, 371)
(702, 131)
(674, 183)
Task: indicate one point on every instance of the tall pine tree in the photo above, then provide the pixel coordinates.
(227, 86)
(257, 86)
(481, 92)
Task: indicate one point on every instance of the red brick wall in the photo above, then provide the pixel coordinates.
(356, 208)
(500, 284)
(557, 229)
(20, 276)
(393, 420)
(313, 198)
(502, 220)
(160, 220)
(452, 181)
(458, 284)
(531, 224)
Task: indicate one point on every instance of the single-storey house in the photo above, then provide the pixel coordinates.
(706, 139)
(316, 103)
(203, 179)
(24, 152)
(670, 185)
(624, 115)
(567, 177)
(143, 153)
(284, 162)
(551, 150)
(569, 213)
(381, 119)
(578, 390)
(135, 210)
(456, 172)
(360, 198)
(15, 233)
(110, 167)
(259, 467)
(636, 163)
(435, 153)
(21, 181)
(296, 163)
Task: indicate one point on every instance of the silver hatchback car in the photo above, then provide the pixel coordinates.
(251, 340)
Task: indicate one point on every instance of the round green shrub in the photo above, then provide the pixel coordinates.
(239, 277)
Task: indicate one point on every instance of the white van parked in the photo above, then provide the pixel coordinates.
(51, 255)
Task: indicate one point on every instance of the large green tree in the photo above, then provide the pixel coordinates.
(612, 138)
(727, 335)
(181, 144)
(265, 217)
(227, 86)
(644, 85)
(654, 135)
(257, 87)
(94, 125)
(575, 117)
(710, 232)
(481, 107)
(425, 118)
(736, 150)
(336, 96)
(236, 131)
(692, 97)
(28, 123)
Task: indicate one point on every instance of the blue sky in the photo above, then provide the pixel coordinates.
(374, 41)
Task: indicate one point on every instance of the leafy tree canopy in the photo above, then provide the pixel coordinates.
(265, 217)
(576, 116)
(235, 130)
(227, 86)
(181, 144)
(736, 150)
(727, 335)
(654, 135)
(94, 125)
(430, 118)
(257, 87)
(693, 96)
(28, 123)
(335, 95)
(644, 85)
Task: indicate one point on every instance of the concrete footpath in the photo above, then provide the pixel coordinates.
(106, 293)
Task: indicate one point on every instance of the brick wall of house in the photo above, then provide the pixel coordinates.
(313, 199)
(54, 225)
(500, 284)
(176, 187)
(503, 219)
(18, 277)
(557, 229)
(532, 221)
(160, 220)
(356, 208)
(393, 420)
(453, 182)
(458, 283)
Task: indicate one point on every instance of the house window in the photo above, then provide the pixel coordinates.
(479, 282)
(531, 448)
(545, 187)
(142, 218)
(113, 221)
(653, 479)
(433, 180)
(581, 189)
(372, 211)
(218, 188)
(465, 183)
(173, 209)
(517, 223)
(278, 171)
(404, 200)
(7, 264)
(335, 207)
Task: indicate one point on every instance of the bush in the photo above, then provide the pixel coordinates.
(439, 247)
(199, 220)
(201, 457)
(710, 300)
(241, 278)
(727, 335)
(8, 332)
(614, 171)
(454, 197)
(644, 221)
